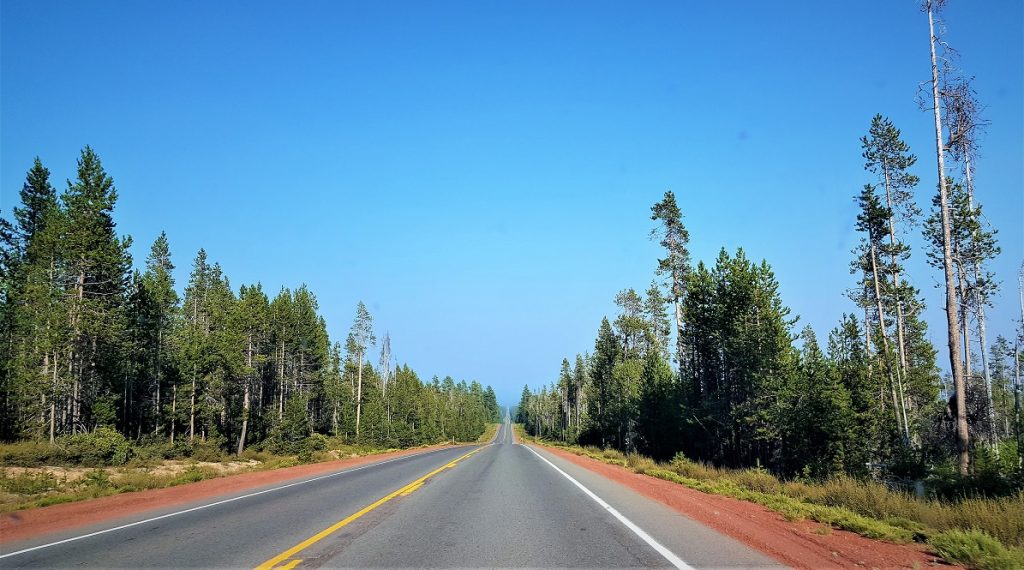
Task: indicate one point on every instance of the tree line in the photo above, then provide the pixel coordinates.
(739, 388)
(87, 341)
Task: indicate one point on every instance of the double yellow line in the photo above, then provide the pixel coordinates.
(404, 491)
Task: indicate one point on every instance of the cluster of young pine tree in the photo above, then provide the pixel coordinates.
(744, 392)
(748, 392)
(86, 342)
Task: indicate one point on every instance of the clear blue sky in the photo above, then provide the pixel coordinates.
(480, 173)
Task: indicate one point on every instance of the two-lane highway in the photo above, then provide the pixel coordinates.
(496, 505)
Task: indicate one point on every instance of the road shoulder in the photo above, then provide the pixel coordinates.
(803, 544)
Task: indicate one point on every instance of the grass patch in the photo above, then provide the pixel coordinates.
(976, 549)
(489, 432)
(38, 482)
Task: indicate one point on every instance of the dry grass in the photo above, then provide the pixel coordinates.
(30, 487)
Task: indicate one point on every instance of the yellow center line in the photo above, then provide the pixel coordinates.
(338, 525)
(410, 490)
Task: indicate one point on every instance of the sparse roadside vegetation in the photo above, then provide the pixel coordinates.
(976, 532)
(101, 463)
(489, 432)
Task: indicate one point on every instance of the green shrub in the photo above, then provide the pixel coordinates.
(207, 451)
(27, 483)
(153, 452)
(193, 474)
(688, 468)
(31, 454)
(254, 454)
(1002, 518)
(639, 463)
(98, 478)
(139, 481)
(757, 480)
(104, 446)
(614, 454)
(976, 549)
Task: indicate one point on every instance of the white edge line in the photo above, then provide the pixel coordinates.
(668, 554)
(213, 504)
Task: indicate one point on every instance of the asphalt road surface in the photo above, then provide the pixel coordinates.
(497, 505)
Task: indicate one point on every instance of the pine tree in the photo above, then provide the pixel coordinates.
(581, 386)
(675, 266)
(564, 399)
(822, 415)
(161, 319)
(659, 329)
(887, 156)
(872, 221)
(866, 442)
(38, 202)
(282, 324)
(252, 322)
(359, 339)
(35, 311)
(631, 323)
(97, 263)
(193, 342)
(943, 213)
(658, 414)
(601, 407)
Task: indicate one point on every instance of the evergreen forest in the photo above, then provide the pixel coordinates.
(709, 363)
(91, 343)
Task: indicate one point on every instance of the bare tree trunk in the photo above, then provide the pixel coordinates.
(895, 275)
(159, 379)
(53, 401)
(192, 410)
(74, 356)
(901, 421)
(44, 375)
(988, 378)
(245, 419)
(679, 331)
(359, 392)
(174, 409)
(280, 380)
(1016, 400)
(74, 405)
(1016, 371)
(245, 398)
(223, 411)
(867, 333)
(952, 319)
(980, 301)
(965, 330)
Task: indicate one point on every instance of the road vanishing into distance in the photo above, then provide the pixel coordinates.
(497, 505)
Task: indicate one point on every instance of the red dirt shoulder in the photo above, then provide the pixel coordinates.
(796, 544)
(19, 525)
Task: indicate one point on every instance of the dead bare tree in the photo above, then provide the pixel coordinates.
(963, 117)
(952, 317)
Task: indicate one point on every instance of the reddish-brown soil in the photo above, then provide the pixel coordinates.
(28, 523)
(798, 544)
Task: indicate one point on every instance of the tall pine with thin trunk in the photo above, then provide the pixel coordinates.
(675, 266)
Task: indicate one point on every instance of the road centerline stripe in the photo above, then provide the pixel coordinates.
(406, 490)
(662, 550)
